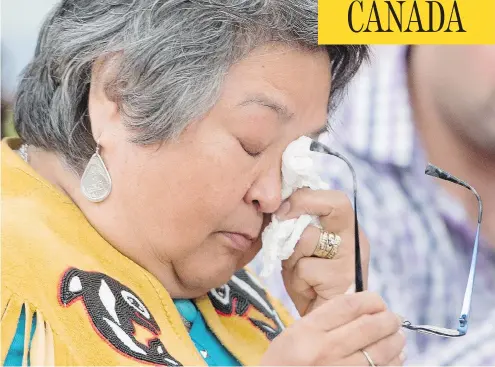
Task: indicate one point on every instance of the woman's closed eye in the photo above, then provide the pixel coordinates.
(251, 150)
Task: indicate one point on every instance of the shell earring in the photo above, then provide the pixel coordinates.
(96, 183)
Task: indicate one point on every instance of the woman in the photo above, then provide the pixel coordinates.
(152, 135)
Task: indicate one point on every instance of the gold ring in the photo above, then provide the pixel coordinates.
(370, 361)
(328, 245)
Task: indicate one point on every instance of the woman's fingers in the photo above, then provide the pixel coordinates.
(333, 207)
(398, 361)
(385, 352)
(309, 240)
(343, 310)
(364, 331)
(336, 216)
(314, 280)
(305, 247)
(309, 281)
(337, 331)
(310, 276)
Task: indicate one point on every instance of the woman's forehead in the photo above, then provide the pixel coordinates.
(286, 80)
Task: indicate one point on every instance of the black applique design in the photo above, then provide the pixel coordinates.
(114, 310)
(241, 293)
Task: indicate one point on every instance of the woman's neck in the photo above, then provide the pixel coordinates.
(109, 221)
(49, 166)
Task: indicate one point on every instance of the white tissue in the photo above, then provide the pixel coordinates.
(298, 170)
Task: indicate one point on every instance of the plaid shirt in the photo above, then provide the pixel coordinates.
(421, 238)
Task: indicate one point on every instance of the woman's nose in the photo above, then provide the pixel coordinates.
(266, 191)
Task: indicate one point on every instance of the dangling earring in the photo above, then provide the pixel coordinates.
(96, 183)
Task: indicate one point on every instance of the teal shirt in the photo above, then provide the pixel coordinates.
(207, 344)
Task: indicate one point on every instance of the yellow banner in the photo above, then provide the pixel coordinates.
(406, 22)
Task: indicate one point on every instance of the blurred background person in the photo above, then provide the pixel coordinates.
(411, 106)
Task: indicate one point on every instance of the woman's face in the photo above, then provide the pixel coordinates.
(193, 208)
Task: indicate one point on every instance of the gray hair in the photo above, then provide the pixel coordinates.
(172, 56)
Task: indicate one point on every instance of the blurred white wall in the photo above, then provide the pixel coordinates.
(20, 22)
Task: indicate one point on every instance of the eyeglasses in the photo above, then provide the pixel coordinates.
(321, 148)
(433, 171)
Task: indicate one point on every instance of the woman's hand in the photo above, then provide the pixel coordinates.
(310, 281)
(337, 332)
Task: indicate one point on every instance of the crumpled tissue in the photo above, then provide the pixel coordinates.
(281, 236)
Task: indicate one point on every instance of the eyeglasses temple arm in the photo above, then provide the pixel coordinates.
(317, 146)
(466, 304)
(434, 171)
